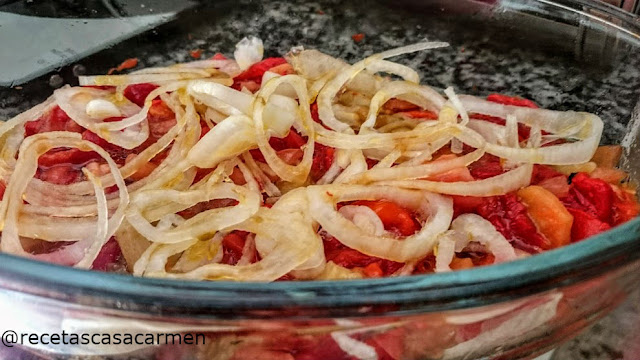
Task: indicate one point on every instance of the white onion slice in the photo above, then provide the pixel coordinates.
(248, 52)
(552, 121)
(231, 137)
(364, 218)
(438, 210)
(473, 227)
(295, 174)
(26, 166)
(201, 224)
(497, 185)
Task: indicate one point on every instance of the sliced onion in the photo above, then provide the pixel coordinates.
(551, 121)
(295, 174)
(415, 172)
(26, 166)
(248, 52)
(475, 228)
(74, 101)
(205, 222)
(364, 218)
(445, 253)
(430, 99)
(292, 250)
(120, 80)
(438, 210)
(230, 138)
(497, 185)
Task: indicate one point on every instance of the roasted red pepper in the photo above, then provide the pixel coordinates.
(232, 245)
(625, 208)
(487, 166)
(54, 120)
(350, 258)
(322, 161)
(394, 217)
(60, 174)
(138, 92)
(509, 216)
(108, 256)
(56, 157)
(596, 192)
(543, 172)
(585, 225)
(254, 72)
(511, 100)
(420, 114)
(523, 130)
(117, 153)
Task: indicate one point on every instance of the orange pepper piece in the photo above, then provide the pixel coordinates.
(548, 213)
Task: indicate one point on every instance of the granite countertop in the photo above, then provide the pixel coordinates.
(483, 58)
(615, 337)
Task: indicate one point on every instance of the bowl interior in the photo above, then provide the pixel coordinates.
(566, 55)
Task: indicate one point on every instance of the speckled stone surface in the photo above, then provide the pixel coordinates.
(616, 337)
(483, 58)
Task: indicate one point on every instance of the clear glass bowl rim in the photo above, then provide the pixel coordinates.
(409, 295)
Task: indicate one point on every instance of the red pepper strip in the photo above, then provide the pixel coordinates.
(293, 140)
(487, 166)
(138, 92)
(117, 153)
(60, 156)
(233, 244)
(60, 174)
(543, 172)
(322, 161)
(394, 217)
(585, 225)
(206, 205)
(108, 255)
(509, 216)
(254, 72)
(511, 100)
(523, 130)
(3, 188)
(314, 113)
(625, 208)
(350, 258)
(128, 64)
(465, 204)
(54, 120)
(395, 105)
(195, 53)
(420, 114)
(597, 192)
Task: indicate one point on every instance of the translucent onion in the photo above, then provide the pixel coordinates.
(26, 166)
(248, 52)
(205, 222)
(437, 209)
(552, 121)
(497, 185)
(296, 174)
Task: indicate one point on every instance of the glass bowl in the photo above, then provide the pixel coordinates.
(568, 54)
